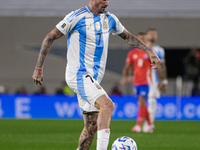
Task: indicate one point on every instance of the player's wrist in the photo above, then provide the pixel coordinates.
(38, 69)
(165, 81)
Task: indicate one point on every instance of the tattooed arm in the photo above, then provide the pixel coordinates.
(135, 42)
(46, 44)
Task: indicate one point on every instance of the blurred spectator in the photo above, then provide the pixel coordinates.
(196, 89)
(21, 90)
(67, 90)
(64, 89)
(192, 65)
(198, 59)
(3, 89)
(116, 90)
(59, 90)
(41, 90)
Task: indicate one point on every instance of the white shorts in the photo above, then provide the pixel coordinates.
(87, 89)
(154, 91)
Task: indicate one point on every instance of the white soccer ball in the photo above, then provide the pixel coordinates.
(124, 143)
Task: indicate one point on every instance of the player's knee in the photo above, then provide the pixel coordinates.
(142, 100)
(105, 103)
(109, 105)
(112, 106)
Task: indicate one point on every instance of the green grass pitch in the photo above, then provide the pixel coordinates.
(64, 134)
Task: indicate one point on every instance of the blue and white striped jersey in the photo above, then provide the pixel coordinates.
(88, 38)
(161, 54)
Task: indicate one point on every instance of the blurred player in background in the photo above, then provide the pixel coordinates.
(159, 76)
(88, 32)
(139, 62)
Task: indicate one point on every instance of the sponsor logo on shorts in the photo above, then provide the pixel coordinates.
(143, 93)
(63, 25)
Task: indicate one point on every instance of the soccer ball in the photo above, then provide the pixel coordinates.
(124, 143)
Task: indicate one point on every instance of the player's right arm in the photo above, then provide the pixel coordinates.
(125, 72)
(45, 47)
(136, 43)
(128, 68)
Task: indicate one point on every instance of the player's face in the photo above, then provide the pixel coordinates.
(101, 5)
(142, 37)
(152, 36)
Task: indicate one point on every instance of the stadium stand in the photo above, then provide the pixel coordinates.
(25, 23)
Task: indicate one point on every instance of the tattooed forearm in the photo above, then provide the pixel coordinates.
(88, 132)
(134, 41)
(163, 70)
(46, 44)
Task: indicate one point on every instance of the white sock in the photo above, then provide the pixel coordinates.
(103, 139)
(152, 108)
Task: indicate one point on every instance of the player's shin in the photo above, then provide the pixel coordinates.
(106, 107)
(88, 132)
(103, 139)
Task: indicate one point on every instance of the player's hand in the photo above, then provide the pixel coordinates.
(155, 61)
(38, 76)
(123, 81)
(130, 79)
(162, 87)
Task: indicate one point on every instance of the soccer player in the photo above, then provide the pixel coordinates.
(139, 61)
(159, 76)
(87, 31)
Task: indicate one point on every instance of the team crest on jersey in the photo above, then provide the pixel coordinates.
(146, 56)
(90, 26)
(97, 86)
(97, 26)
(105, 25)
(143, 93)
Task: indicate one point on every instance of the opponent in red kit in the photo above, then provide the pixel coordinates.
(139, 61)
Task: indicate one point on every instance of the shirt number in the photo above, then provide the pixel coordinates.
(90, 78)
(140, 62)
(99, 34)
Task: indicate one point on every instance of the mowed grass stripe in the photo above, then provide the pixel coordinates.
(64, 134)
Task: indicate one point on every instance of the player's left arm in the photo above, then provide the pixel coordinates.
(162, 72)
(136, 43)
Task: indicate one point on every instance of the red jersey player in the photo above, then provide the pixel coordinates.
(139, 61)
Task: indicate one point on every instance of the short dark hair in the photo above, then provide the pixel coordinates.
(141, 33)
(151, 29)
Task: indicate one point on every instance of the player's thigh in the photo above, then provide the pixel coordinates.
(92, 90)
(136, 90)
(104, 101)
(142, 90)
(87, 87)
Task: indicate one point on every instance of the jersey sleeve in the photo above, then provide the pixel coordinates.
(129, 59)
(118, 28)
(162, 57)
(67, 24)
